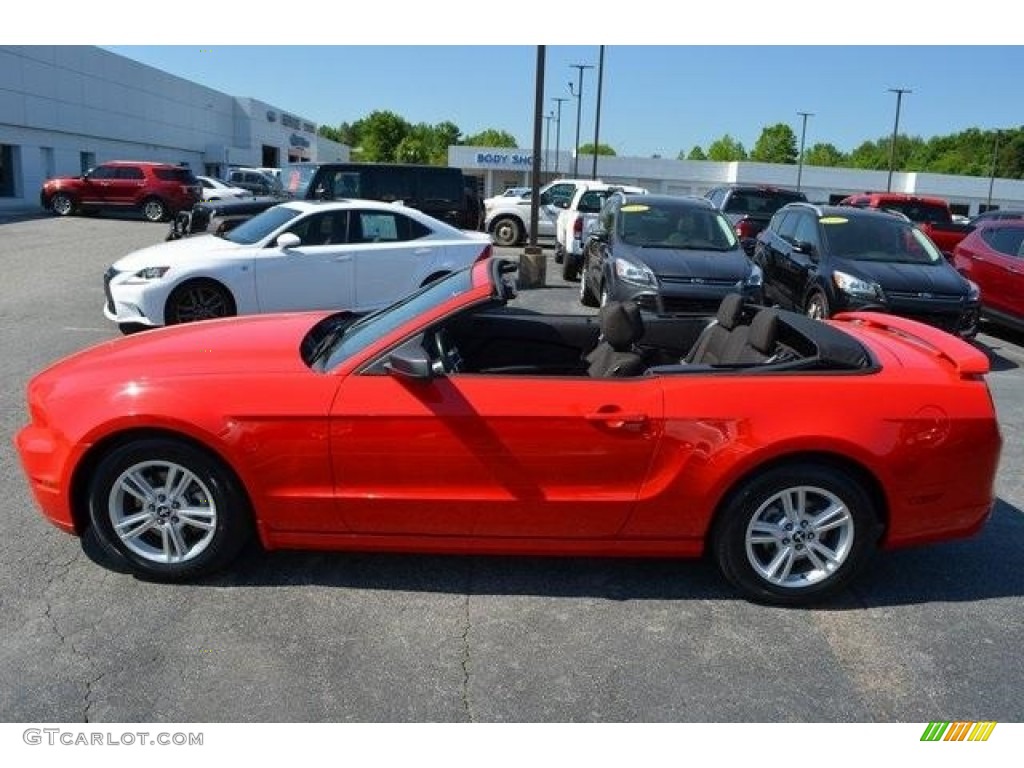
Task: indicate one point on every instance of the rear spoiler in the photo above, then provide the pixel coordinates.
(966, 360)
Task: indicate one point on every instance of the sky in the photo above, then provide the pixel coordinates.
(669, 82)
(654, 99)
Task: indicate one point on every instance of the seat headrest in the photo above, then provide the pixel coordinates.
(621, 324)
(764, 330)
(730, 311)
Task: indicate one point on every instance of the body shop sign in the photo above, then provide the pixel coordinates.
(504, 160)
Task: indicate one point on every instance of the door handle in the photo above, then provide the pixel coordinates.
(615, 419)
(343, 258)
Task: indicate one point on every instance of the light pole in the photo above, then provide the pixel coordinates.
(597, 113)
(803, 133)
(992, 177)
(578, 94)
(895, 129)
(547, 138)
(558, 129)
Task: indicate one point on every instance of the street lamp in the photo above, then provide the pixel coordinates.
(803, 133)
(558, 129)
(992, 178)
(597, 113)
(578, 95)
(895, 128)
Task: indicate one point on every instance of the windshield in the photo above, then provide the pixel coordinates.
(760, 202)
(372, 327)
(884, 239)
(261, 226)
(681, 227)
(296, 179)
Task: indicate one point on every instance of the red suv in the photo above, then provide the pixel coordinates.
(158, 190)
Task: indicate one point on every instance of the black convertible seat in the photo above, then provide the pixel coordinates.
(723, 337)
(616, 353)
(761, 339)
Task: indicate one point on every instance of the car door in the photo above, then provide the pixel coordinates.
(316, 274)
(125, 188)
(388, 251)
(797, 271)
(547, 210)
(96, 183)
(998, 268)
(492, 455)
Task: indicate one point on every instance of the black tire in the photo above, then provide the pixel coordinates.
(170, 511)
(784, 561)
(507, 232)
(587, 297)
(198, 300)
(62, 205)
(559, 253)
(154, 209)
(129, 328)
(570, 268)
(817, 306)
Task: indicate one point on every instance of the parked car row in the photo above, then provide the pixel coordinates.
(681, 255)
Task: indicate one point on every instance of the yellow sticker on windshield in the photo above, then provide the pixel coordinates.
(635, 208)
(833, 220)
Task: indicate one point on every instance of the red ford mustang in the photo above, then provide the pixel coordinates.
(787, 448)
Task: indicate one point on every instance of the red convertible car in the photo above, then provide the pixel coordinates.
(787, 448)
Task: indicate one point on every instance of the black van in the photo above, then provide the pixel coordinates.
(436, 190)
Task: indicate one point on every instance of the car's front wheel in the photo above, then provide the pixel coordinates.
(170, 510)
(817, 306)
(587, 297)
(198, 300)
(795, 534)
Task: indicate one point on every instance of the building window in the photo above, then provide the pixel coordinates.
(6, 171)
(86, 160)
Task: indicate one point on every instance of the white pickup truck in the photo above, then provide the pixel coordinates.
(575, 219)
(507, 219)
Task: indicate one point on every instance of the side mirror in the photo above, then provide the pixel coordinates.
(802, 246)
(288, 240)
(410, 361)
(600, 235)
(560, 202)
(321, 193)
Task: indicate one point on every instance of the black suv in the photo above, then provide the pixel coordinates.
(668, 253)
(826, 259)
(749, 207)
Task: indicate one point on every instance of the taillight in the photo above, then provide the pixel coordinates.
(746, 228)
(577, 227)
(484, 254)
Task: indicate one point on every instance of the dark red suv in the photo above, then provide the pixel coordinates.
(157, 190)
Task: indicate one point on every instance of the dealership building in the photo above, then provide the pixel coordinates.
(64, 109)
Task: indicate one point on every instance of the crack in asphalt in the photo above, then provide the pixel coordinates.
(466, 650)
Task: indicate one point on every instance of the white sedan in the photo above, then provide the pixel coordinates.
(300, 255)
(215, 189)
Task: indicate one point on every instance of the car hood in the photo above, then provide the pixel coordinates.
(938, 278)
(177, 252)
(228, 347)
(680, 263)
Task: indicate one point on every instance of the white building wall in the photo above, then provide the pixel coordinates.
(57, 102)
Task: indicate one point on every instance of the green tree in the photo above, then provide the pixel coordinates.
(602, 149)
(825, 155)
(776, 144)
(379, 135)
(726, 149)
(695, 154)
(870, 155)
(491, 137)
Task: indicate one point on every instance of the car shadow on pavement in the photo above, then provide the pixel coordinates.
(984, 567)
(997, 339)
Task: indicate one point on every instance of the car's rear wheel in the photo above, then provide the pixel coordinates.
(507, 232)
(795, 534)
(170, 510)
(817, 306)
(154, 209)
(198, 300)
(62, 204)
